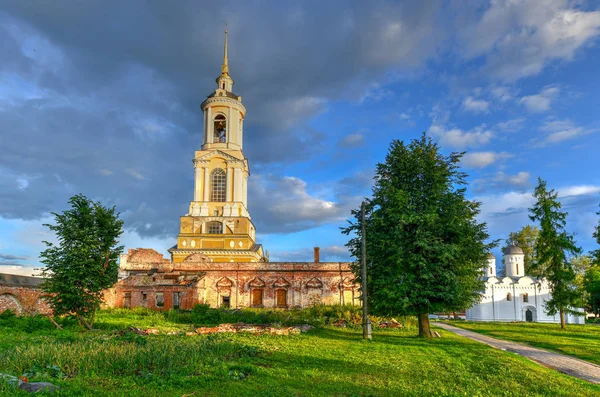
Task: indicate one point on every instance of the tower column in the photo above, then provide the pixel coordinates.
(229, 196)
(209, 126)
(229, 128)
(237, 184)
(198, 174)
(245, 190)
(205, 127)
(206, 184)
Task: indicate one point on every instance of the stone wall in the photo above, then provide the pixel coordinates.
(151, 281)
(22, 295)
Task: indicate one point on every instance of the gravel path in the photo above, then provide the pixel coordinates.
(565, 364)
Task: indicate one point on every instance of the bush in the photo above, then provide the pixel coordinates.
(316, 315)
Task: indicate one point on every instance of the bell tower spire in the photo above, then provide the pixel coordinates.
(225, 66)
(224, 81)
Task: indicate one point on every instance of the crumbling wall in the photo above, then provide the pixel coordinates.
(272, 284)
(23, 300)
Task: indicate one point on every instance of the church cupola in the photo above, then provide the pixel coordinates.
(514, 261)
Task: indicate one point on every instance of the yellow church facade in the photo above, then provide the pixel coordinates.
(218, 224)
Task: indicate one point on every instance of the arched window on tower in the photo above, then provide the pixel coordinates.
(218, 185)
(220, 129)
(215, 227)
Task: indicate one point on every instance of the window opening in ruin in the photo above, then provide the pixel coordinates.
(127, 299)
(257, 297)
(226, 301)
(525, 298)
(218, 182)
(176, 300)
(160, 299)
(220, 129)
(215, 227)
(281, 298)
(144, 297)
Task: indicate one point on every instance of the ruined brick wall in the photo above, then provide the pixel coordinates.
(22, 295)
(271, 284)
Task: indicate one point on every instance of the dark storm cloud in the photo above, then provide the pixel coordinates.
(103, 98)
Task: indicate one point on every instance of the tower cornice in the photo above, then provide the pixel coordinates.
(216, 100)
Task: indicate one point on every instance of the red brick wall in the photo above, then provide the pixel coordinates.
(23, 300)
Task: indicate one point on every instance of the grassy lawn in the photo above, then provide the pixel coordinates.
(326, 361)
(582, 341)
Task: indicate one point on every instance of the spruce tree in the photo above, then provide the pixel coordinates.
(552, 250)
(425, 249)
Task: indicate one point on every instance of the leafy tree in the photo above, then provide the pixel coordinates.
(84, 261)
(525, 239)
(425, 248)
(596, 253)
(592, 288)
(552, 251)
(581, 264)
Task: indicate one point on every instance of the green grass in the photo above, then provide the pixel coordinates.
(582, 341)
(326, 361)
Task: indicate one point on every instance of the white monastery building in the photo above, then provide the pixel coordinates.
(516, 297)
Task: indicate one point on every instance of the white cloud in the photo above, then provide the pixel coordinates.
(520, 179)
(21, 270)
(352, 141)
(483, 159)
(376, 93)
(502, 181)
(475, 105)
(562, 130)
(502, 93)
(542, 101)
(578, 190)
(136, 174)
(460, 139)
(510, 125)
(519, 38)
(284, 204)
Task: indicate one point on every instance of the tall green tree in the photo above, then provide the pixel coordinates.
(596, 253)
(84, 261)
(425, 249)
(553, 248)
(525, 239)
(592, 289)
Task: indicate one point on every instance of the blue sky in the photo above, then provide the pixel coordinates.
(102, 98)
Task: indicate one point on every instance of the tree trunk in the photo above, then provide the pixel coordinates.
(93, 318)
(424, 330)
(563, 325)
(54, 322)
(83, 322)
